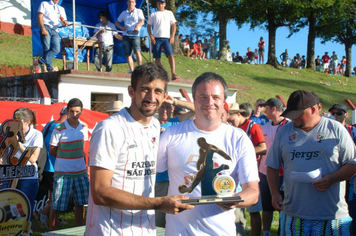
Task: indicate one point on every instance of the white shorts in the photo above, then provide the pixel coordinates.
(326, 65)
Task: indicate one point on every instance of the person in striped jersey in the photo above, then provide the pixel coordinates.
(122, 158)
(70, 171)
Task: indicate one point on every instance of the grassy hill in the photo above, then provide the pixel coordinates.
(264, 81)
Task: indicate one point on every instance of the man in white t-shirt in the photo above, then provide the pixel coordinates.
(123, 154)
(164, 30)
(179, 151)
(133, 20)
(106, 34)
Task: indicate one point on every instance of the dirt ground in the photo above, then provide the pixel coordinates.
(6, 71)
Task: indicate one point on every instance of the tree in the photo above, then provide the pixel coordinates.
(309, 12)
(338, 25)
(222, 11)
(268, 14)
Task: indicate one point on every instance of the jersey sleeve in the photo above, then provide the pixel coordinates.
(346, 147)
(274, 157)
(38, 140)
(105, 145)
(257, 135)
(55, 138)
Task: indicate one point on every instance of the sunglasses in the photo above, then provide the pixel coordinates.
(337, 113)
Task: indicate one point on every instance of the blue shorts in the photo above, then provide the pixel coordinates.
(162, 42)
(63, 186)
(129, 43)
(295, 226)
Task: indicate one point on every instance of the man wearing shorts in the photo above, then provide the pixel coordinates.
(318, 155)
(334, 59)
(133, 20)
(164, 30)
(325, 60)
(70, 171)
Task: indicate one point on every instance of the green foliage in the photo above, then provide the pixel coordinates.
(338, 24)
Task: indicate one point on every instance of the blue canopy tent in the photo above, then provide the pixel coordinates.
(86, 12)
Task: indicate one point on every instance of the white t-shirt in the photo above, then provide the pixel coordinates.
(107, 37)
(131, 19)
(33, 138)
(129, 149)
(51, 14)
(161, 22)
(179, 151)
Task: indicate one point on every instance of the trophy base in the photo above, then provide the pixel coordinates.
(212, 200)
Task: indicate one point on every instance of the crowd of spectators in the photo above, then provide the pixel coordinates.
(209, 49)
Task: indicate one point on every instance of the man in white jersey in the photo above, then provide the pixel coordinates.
(178, 152)
(123, 152)
(274, 109)
(317, 154)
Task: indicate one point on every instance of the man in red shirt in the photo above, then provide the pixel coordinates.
(239, 117)
(249, 55)
(325, 60)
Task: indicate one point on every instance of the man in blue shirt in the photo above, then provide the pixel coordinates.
(257, 116)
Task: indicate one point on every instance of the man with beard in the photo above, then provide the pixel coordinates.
(317, 154)
(123, 153)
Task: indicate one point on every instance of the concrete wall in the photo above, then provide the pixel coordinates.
(15, 16)
(65, 85)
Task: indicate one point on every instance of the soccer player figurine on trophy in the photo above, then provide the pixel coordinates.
(215, 188)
